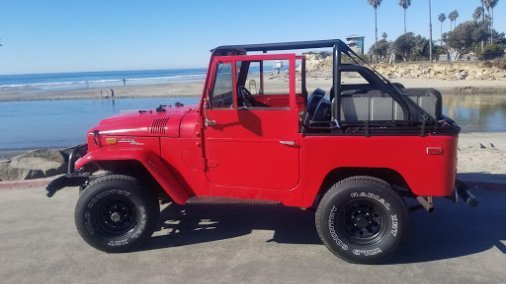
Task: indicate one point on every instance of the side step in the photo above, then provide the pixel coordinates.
(229, 201)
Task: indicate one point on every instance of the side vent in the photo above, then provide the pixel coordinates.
(159, 126)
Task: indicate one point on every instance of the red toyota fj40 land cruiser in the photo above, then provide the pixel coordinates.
(354, 152)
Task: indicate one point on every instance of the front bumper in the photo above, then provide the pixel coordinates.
(72, 178)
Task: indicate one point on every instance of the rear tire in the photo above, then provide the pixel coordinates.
(362, 220)
(115, 214)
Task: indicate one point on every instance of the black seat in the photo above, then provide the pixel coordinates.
(322, 112)
(313, 101)
(312, 104)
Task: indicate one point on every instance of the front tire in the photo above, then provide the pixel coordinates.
(115, 214)
(362, 220)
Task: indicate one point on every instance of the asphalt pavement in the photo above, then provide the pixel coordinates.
(245, 244)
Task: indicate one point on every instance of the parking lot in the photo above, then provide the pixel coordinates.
(245, 244)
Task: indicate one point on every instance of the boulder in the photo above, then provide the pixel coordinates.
(34, 164)
(461, 75)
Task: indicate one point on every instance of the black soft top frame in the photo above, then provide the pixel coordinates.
(264, 47)
(339, 48)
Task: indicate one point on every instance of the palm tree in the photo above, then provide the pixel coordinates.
(453, 17)
(478, 13)
(490, 5)
(442, 18)
(405, 5)
(430, 31)
(483, 9)
(375, 4)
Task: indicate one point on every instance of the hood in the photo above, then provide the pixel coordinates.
(162, 121)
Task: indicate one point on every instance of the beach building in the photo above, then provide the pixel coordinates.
(356, 43)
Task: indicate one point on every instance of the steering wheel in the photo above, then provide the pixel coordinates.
(246, 97)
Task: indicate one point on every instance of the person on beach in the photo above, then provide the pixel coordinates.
(124, 82)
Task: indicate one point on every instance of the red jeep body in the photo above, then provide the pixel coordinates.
(235, 145)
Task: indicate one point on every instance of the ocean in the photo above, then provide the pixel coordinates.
(64, 123)
(79, 80)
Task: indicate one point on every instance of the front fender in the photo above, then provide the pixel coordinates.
(151, 162)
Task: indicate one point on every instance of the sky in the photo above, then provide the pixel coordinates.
(96, 35)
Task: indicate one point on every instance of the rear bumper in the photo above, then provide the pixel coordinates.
(72, 178)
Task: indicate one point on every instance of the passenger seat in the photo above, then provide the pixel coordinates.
(322, 112)
(312, 104)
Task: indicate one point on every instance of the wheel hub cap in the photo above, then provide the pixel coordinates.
(115, 217)
(361, 222)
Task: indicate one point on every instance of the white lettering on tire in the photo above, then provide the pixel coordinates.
(105, 193)
(367, 252)
(395, 225)
(332, 230)
(118, 243)
(371, 196)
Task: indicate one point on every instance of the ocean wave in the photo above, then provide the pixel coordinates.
(101, 82)
(175, 77)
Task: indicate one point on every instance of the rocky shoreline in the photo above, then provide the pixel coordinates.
(33, 164)
(468, 77)
(446, 71)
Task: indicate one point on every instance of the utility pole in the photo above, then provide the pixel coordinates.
(430, 27)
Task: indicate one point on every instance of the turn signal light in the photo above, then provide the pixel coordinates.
(111, 141)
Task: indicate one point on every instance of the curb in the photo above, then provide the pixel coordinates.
(18, 184)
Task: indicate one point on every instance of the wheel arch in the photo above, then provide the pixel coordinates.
(391, 176)
(142, 164)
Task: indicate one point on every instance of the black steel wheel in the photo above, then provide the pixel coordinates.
(362, 219)
(115, 214)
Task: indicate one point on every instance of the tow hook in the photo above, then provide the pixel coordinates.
(462, 190)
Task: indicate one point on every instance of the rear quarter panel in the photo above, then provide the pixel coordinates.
(426, 175)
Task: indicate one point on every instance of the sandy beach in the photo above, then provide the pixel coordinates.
(482, 156)
(130, 91)
(194, 88)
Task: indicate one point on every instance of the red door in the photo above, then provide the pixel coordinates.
(251, 149)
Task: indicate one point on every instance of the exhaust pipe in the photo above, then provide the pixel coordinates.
(466, 195)
(426, 203)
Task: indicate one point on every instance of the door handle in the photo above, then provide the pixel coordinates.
(287, 142)
(209, 122)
